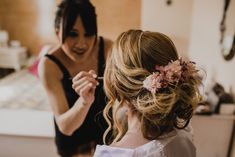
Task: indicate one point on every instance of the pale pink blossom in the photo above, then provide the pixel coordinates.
(153, 82)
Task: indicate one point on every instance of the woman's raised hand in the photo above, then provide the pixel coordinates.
(84, 83)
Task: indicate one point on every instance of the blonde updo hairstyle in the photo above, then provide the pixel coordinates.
(134, 57)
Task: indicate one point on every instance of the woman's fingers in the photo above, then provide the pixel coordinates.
(82, 74)
(92, 72)
(86, 89)
(84, 81)
(77, 88)
(79, 82)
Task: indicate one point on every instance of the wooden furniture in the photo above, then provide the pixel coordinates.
(27, 133)
(13, 57)
(214, 135)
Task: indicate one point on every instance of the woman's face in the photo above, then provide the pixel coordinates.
(78, 45)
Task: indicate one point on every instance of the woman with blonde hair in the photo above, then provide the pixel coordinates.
(158, 91)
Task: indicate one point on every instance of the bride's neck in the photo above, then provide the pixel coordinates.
(134, 124)
(133, 137)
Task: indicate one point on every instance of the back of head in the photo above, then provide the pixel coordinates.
(135, 57)
(67, 13)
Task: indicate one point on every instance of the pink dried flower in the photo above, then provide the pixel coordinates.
(153, 82)
(160, 68)
(172, 73)
(189, 68)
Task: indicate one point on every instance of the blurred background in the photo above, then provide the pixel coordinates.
(27, 32)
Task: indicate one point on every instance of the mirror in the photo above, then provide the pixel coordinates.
(228, 48)
(227, 42)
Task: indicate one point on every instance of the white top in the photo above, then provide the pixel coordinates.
(175, 144)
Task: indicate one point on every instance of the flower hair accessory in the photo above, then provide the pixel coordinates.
(171, 74)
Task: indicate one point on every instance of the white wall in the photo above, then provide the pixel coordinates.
(204, 43)
(173, 20)
(194, 27)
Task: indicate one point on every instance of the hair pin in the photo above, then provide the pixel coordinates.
(100, 78)
(97, 78)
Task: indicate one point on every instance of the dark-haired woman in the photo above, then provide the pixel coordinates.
(69, 74)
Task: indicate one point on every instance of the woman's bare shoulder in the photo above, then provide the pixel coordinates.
(48, 69)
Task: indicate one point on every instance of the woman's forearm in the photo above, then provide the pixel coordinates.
(73, 118)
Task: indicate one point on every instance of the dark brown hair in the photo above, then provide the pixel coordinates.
(67, 13)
